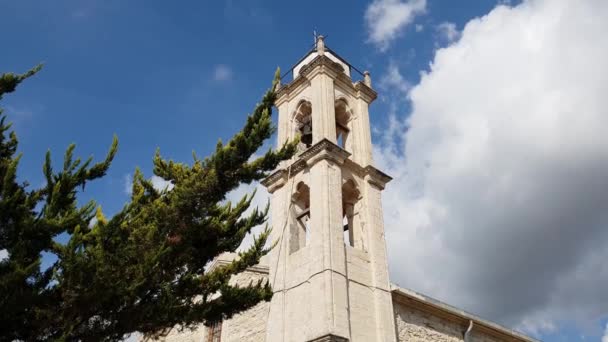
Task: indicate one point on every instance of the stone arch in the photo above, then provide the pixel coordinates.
(302, 122)
(344, 124)
(299, 227)
(351, 217)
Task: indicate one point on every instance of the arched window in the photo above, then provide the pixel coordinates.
(299, 233)
(350, 213)
(303, 123)
(343, 124)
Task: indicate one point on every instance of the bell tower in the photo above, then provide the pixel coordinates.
(329, 267)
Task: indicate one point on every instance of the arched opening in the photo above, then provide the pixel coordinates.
(350, 214)
(303, 123)
(343, 124)
(299, 234)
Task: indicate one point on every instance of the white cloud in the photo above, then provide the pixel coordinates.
(448, 31)
(500, 185)
(128, 184)
(3, 254)
(133, 337)
(386, 19)
(605, 337)
(222, 73)
(419, 27)
(259, 201)
(392, 80)
(157, 182)
(160, 184)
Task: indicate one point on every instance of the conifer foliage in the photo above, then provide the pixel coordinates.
(144, 268)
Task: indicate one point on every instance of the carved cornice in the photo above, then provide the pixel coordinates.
(323, 61)
(367, 93)
(227, 258)
(276, 180)
(327, 150)
(285, 90)
(305, 73)
(323, 149)
(336, 70)
(376, 177)
(371, 174)
(329, 338)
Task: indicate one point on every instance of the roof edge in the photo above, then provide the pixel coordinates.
(434, 304)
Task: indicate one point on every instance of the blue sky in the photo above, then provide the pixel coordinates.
(180, 76)
(146, 72)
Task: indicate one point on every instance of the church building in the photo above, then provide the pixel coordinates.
(329, 268)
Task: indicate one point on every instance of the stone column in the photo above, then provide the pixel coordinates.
(277, 262)
(330, 303)
(283, 133)
(363, 139)
(323, 110)
(385, 323)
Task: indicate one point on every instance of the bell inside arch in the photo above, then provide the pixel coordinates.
(306, 131)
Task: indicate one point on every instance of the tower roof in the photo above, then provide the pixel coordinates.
(319, 48)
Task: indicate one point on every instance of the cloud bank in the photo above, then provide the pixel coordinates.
(500, 198)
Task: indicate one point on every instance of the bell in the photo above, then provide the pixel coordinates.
(307, 135)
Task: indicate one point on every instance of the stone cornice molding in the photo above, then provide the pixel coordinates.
(376, 177)
(325, 150)
(228, 258)
(325, 63)
(369, 173)
(329, 338)
(285, 92)
(322, 150)
(365, 92)
(276, 180)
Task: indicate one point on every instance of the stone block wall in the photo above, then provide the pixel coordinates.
(415, 325)
(248, 326)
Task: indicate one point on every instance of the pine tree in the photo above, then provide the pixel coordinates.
(144, 268)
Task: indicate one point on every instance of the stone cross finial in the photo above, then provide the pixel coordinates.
(320, 45)
(367, 79)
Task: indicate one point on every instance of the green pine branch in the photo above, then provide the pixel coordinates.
(144, 269)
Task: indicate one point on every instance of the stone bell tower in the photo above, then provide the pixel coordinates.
(329, 268)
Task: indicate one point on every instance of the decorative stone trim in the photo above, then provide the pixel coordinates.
(286, 89)
(366, 92)
(332, 152)
(276, 180)
(322, 60)
(376, 177)
(228, 258)
(360, 88)
(323, 149)
(369, 173)
(329, 338)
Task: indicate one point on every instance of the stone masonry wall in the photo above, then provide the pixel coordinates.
(248, 326)
(417, 326)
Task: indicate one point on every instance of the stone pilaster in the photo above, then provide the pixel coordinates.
(323, 114)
